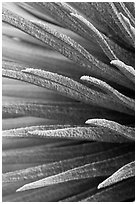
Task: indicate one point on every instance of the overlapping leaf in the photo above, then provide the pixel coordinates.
(111, 91)
(128, 71)
(127, 132)
(86, 171)
(38, 155)
(67, 87)
(64, 45)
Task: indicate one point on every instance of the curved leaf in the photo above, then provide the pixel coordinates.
(86, 171)
(130, 103)
(85, 133)
(64, 45)
(110, 14)
(97, 35)
(124, 172)
(128, 71)
(127, 132)
(66, 87)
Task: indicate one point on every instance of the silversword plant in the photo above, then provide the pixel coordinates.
(68, 101)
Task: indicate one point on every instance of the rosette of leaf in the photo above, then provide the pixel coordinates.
(68, 101)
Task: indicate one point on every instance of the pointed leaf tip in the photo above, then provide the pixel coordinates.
(23, 188)
(123, 173)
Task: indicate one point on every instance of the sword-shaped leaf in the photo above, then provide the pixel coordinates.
(87, 133)
(103, 168)
(126, 101)
(129, 27)
(50, 193)
(67, 87)
(99, 152)
(65, 45)
(124, 172)
(121, 7)
(110, 14)
(116, 128)
(128, 71)
(97, 35)
(23, 132)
